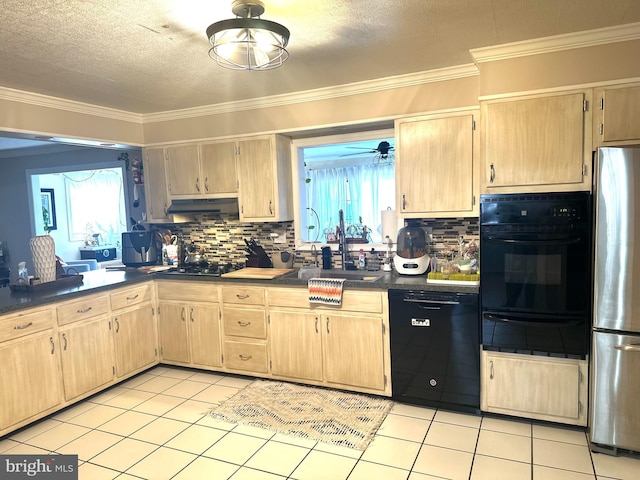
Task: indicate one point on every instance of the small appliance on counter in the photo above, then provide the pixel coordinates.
(139, 248)
(411, 255)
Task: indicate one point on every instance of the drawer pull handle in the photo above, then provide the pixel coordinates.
(117, 325)
(53, 345)
(133, 298)
(64, 337)
(84, 310)
(182, 314)
(317, 325)
(23, 326)
(191, 315)
(242, 297)
(491, 370)
(244, 358)
(328, 325)
(244, 324)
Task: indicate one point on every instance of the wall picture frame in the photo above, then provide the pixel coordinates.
(47, 196)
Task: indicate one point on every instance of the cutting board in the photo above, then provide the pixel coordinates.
(258, 273)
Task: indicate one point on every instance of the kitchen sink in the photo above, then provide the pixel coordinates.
(350, 275)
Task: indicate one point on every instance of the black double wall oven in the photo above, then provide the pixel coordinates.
(535, 273)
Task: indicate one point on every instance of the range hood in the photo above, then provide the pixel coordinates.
(203, 205)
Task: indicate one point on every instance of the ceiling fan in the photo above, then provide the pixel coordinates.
(383, 152)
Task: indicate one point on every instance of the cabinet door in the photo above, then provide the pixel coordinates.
(155, 185)
(256, 173)
(535, 141)
(172, 329)
(534, 387)
(353, 351)
(218, 163)
(620, 114)
(30, 378)
(135, 340)
(296, 345)
(87, 356)
(434, 165)
(183, 171)
(206, 345)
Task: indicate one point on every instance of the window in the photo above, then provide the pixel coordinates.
(96, 207)
(349, 173)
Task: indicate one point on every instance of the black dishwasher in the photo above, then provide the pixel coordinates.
(435, 349)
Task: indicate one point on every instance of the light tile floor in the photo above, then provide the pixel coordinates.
(155, 426)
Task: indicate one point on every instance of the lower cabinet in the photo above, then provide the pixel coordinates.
(345, 346)
(189, 330)
(244, 321)
(296, 345)
(87, 356)
(544, 388)
(29, 378)
(135, 339)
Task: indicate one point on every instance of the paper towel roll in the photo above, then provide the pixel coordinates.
(389, 223)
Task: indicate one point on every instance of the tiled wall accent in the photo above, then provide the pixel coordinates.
(222, 239)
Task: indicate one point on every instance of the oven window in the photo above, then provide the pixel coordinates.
(545, 276)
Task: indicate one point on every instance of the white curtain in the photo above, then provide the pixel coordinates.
(96, 205)
(362, 192)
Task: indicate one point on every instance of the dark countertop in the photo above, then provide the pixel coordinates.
(94, 281)
(97, 281)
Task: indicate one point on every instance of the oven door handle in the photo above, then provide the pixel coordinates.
(529, 323)
(434, 302)
(566, 241)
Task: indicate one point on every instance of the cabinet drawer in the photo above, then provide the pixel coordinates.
(355, 300)
(245, 322)
(243, 295)
(85, 308)
(130, 296)
(18, 325)
(248, 356)
(187, 291)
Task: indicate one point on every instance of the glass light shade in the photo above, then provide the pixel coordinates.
(248, 44)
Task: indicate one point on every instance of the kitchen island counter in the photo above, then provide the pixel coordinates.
(93, 281)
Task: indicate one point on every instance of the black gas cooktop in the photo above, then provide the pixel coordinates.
(208, 269)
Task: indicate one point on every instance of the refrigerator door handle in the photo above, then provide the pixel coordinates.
(632, 347)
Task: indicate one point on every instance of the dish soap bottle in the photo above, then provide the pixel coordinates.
(361, 260)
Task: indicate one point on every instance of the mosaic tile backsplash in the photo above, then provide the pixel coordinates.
(221, 238)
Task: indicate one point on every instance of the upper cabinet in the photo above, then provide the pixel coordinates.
(537, 143)
(616, 115)
(202, 170)
(155, 186)
(264, 175)
(436, 165)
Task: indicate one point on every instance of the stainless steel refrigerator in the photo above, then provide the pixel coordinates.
(615, 373)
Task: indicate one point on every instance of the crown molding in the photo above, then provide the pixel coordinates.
(358, 88)
(556, 43)
(67, 105)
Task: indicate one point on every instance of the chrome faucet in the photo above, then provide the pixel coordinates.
(342, 240)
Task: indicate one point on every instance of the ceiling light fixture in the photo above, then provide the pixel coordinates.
(247, 42)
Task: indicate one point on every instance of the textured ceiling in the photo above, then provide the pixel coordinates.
(151, 56)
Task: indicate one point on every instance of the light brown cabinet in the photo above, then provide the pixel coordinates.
(437, 166)
(134, 329)
(87, 356)
(296, 345)
(244, 322)
(537, 143)
(155, 185)
(552, 389)
(30, 374)
(345, 347)
(189, 328)
(616, 115)
(86, 345)
(264, 175)
(219, 174)
(183, 171)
